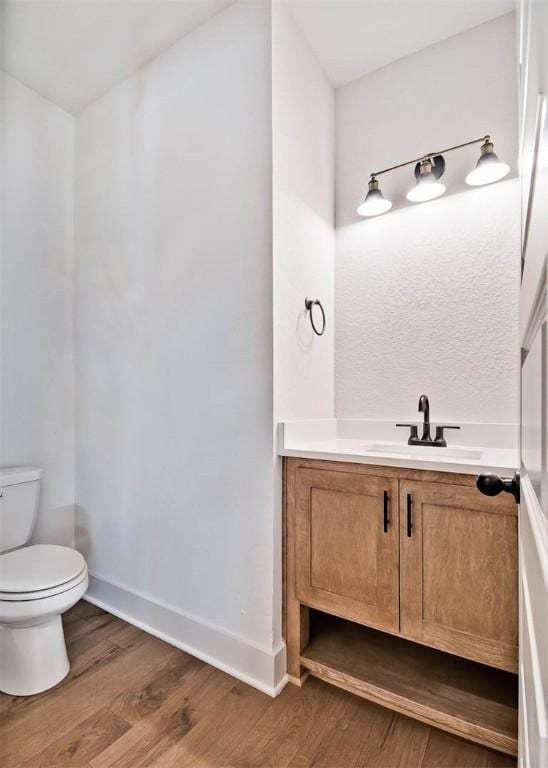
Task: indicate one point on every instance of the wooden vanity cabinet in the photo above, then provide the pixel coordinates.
(421, 570)
(347, 548)
(458, 571)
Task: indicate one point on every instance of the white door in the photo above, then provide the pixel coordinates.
(533, 527)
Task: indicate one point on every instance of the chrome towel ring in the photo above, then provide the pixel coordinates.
(309, 305)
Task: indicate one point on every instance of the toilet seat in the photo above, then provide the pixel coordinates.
(41, 594)
(40, 571)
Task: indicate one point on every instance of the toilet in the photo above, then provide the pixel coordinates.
(38, 583)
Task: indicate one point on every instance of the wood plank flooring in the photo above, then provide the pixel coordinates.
(133, 701)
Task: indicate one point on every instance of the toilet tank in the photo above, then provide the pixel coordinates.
(19, 489)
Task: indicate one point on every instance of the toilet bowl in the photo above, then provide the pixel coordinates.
(38, 583)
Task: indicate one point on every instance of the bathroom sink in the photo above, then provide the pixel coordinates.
(422, 451)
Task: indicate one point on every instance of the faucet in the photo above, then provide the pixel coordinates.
(424, 407)
(439, 440)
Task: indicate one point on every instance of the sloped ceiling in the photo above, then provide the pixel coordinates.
(353, 37)
(73, 51)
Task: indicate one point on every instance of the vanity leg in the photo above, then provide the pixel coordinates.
(296, 614)
(297, 640)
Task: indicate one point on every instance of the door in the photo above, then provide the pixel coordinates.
(459, 571)
(347, 559)
(533, 551)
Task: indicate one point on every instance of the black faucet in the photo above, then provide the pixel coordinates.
(439, 440)
(424, 407)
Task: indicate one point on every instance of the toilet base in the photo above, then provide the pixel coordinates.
(32, 658)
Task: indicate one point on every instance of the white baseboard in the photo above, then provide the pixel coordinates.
(250, 663)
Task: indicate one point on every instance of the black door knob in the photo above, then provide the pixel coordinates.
(492, 485)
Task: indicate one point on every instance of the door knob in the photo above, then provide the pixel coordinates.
(492, 485)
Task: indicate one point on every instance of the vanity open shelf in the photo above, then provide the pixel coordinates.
(460, 696)
(401, 586)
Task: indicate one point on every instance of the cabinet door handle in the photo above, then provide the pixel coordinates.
(386, 518)
(409, 514)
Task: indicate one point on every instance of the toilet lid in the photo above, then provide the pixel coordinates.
(39, 567)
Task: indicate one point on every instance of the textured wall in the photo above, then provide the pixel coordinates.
(304, 238)
(426, 296)
(37, 386)
(427, 302)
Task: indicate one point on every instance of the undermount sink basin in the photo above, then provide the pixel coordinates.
(422, 451)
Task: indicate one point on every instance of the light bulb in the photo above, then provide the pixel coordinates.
(427, 186)
(375, 202)
(425, 190)
(488, 168)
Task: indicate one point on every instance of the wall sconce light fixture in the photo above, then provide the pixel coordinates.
(428, 170)
(488, 168)
(428, 187)
(375, 202)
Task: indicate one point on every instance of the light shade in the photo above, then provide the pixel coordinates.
(488, 168)
(375, 202)
(427, 186)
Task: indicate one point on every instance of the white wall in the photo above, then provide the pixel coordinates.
(304, 242)
(426, 296)
(174, 436)
(37, 360)
(303, 181)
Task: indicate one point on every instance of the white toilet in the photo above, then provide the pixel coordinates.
(38, 583)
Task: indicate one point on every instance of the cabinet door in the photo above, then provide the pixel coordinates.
(459, 571)
(347, 549)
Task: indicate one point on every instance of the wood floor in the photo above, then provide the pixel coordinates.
(132, 701)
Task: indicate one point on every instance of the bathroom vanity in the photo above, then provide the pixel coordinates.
(401, 584)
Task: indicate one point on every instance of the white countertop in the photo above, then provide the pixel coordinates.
(473, 449)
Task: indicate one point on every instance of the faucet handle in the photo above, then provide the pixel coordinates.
(414, 431)
(439, 438)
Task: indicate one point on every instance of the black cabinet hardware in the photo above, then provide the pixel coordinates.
(409, 515)
(386, 514)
